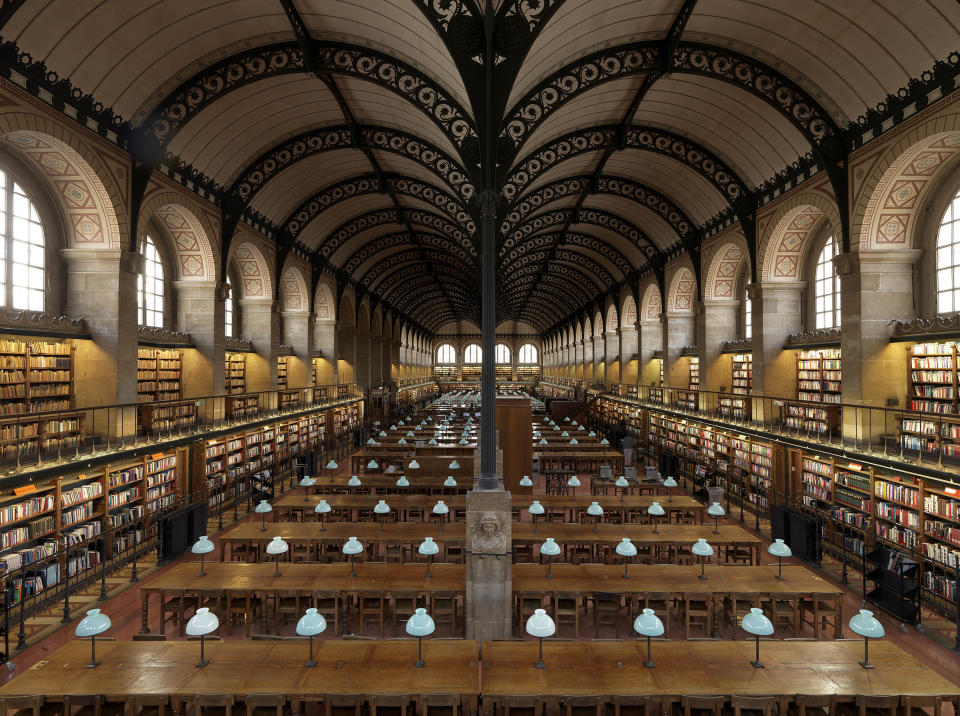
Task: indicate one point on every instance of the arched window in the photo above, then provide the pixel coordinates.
(528, 354)
(446, 354)
(747, 317)
(473, 354)
(150, 287)
(502, 354)
(948, 259)
(22, 250)
(826, 288)
(228, 312)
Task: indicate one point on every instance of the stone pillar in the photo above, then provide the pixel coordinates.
(325, 338)
(395, 351)
(629, 347)
(613, 362)
(363, 359)
(346, 355)
(578, 359)
(296, 333)
(261, 325)
(679, 331)
(200, 313)
(489, 598)
(651, 340)
(776, 314)
(716, 322)
(876, 286)
(102, 287)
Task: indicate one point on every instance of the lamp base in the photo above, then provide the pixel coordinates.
(202, 663)
(419, 664)
(757, 665)
(310, 663)
(95, 664)
(649, 664)
(701, 576)
(780, 577)
(866, 664)
(202, 574)
(625, 576)
(540, 665)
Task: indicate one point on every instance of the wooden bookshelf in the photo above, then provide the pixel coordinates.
(932, 372)
(242, 406)
(288, 399)
(471, 373)
(234, 373)
(694, 367)
(167, 417)
(281, 372)
(735, 407)
(503, 372)
(445, 372)
(158, 375)
(528, 373)
(818, 375)
(742, 378)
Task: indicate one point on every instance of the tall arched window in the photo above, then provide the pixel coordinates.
(826, 288)
(228, 312)
(150, 287)
(747, 317)
(473, 354)
(23, 277)
(502, 354)
(948, 259)
(528, 354)
(446, 354)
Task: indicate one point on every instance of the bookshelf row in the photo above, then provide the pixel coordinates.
(159, 373)
(234, 373)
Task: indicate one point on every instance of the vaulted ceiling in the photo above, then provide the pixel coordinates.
(356, 128)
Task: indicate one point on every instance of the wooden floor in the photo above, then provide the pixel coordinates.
(124, 611)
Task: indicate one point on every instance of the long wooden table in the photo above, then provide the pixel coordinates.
(670, 536)
(293, 503)
(505, 669)
(686, 668)
(245, 667)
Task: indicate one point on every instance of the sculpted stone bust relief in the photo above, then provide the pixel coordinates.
(488, 535)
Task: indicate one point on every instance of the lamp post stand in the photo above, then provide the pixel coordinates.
(756, 661)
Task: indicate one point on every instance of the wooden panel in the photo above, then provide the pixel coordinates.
(514, 423)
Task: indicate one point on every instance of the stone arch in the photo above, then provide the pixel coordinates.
(598, 324)
(629, 311)
(782, 249)
(376, 322)
(682, 291)
(891, 214)
(577, 332)
(724, 267)
(323, 302)
(363, 316)
(187, 237)
(293, 290)
(253, 270)
(652, 303)
(613, 323)
(346, 316)
(88, 197)
(587, 331)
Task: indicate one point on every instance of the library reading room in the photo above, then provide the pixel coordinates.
(479, 358)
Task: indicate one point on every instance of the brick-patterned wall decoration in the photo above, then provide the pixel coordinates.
(722, 273)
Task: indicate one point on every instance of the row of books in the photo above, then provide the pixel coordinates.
(27, 508)
(81, 494)
(900, 493)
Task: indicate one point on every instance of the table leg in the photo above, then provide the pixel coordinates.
(838, 621)
(144, 612)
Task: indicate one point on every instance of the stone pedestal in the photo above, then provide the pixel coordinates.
(489, 598)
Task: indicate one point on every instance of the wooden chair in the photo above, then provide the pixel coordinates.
(443, 609)
(371, 612)
(661, 603)
(213, 705)
(763, 705)
(739, 553)
(822, 613)
(175, 608)
(785, 611)
(149, 637)
(338, 705)
(148, 705)
(934, 703)
(241, 607)
(566, 610)
(88, 705)
(702, 704)
(606, 610)
(871, 706)
(286, 605)
(266, 705)
(736, 605)
(402, 606)
(390, 705)
(442, 704)
(521, 706)
(526, 604)
(330, 605)
(815, 705)
(697, 610)
(583, 705)
(27, 706)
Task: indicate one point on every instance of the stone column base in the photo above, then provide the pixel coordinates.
(489, 592)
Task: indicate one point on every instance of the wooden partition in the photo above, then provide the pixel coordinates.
(514, 420)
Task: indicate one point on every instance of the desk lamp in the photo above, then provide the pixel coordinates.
(549, 549)
(649, 625)
(716, 511)
(322, 508)
(94, 623)
(310, 625)
(866, 625)
(429, 548)
(574, 483)
(779, 549)
(626, 549)
(655, 510)
(420, 625)
(623, 484)
(540, 625)
(277, 546)
(756, 623)
(596, 511)
(202, 546)
(203, 622)
(669, 483)
(535, 509)
(442, 511)
(351, 547)
(263, 507)
(702, 550)
(306, 483)
(402, 481)
(380, 509)
(525, 481)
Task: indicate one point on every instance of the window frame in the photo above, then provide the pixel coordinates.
(436, 354)
(498, 350)
(818, 248)
(537, 352)
(157, 240)
(471, 348)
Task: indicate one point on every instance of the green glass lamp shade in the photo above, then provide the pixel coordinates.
(863, 623)
(322, 508)
(432, 441)
(574, 423)
(669, 482)
(573, 441)
(463, 441)
(525, 481)
(371, 441)
(450, 482)
(409, 433)
(564, 434)
(595, 509)
(536, 508)
(779, 548)
(277, 546)
(352, 546)
(202, 546)
(440, 508)
(372, 465)
(311, 623)
(413, 465)
(428, 546)
(626, 548)
(354, 481)
(604, 442)
(550, 548)
(591, 434)
(543, 441)
(574, 481)
(540, 624)
(402, 481)
(716, 510)
(420, 624)
(393, 427)
(756, 623)
(648, 624)
(655, 509)
(96, 622)
(381, 508)
(401, 441)
(263, 506)
(382, 434)
(701, 548)
(581, 428)
(332, 465)
(203, 622)
(454, 465)
(566, 419)
(622, 482)
(307, 481)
